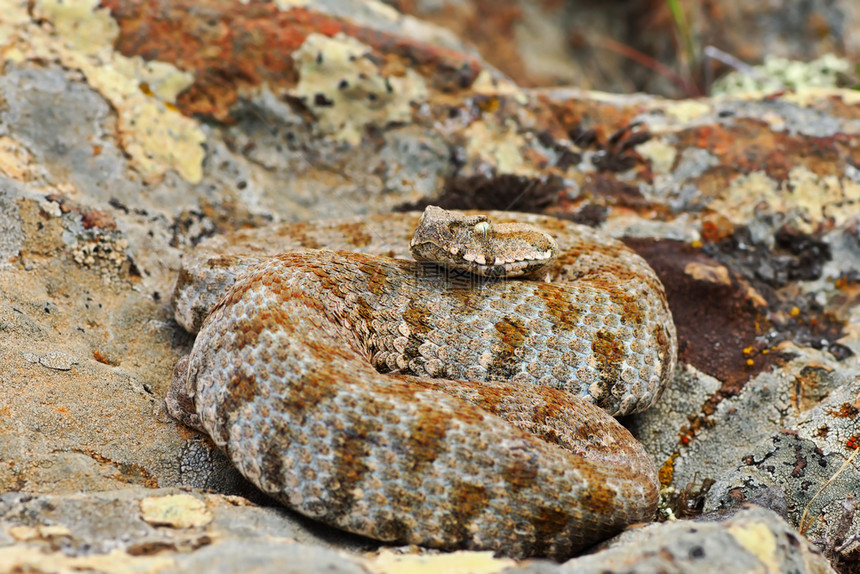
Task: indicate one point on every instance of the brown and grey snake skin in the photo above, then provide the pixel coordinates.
(413, 403)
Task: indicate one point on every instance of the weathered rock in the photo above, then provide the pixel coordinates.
(812, 465)
(753, 539)
(161, 530)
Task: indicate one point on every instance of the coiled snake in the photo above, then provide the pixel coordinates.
(444, 404)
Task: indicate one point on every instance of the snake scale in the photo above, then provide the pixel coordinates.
(418, 403)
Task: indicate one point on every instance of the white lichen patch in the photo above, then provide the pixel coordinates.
(668, 495)
(284, 5)
(686, 111)
(50, 208)
(775, 121)
(829, 414)
(382, 10)
(156, 136)
(177, 511)
(499, 146)
(805, 197)
(103, 253)
(341, 84)
(56, 360)
(777, 73)
(659, 153)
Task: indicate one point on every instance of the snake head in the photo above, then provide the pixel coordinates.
(473, 243)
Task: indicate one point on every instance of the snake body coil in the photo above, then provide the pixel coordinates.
(417, 404)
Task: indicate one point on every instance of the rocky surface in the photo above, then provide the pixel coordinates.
(162, 530)
(130, 131)
(752, 539)
(169, 530)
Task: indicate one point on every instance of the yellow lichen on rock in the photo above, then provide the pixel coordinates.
(15, 160)
(345, 90)
(177, 510)
(661, 154)
(462, 562)
(809, 97)
(28, 559)
(822, 196)
(154, 134)
(14, 17)
(499, 146)
(739, 201)
(809, 198)
(716, 274)
(686, 111)
(27, 533)
(81, 23)
(757, 539)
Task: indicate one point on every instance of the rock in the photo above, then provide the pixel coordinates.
(812, 466)
(161, 530)
(752, 539)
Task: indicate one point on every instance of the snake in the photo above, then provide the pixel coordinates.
(440, 378)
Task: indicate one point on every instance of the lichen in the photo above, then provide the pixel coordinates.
(154, 134)
(499, 146)
(805, 197)
(176, 510)
(661, 155)
(15, 160)
(104, 253)
(342, 85)
(777, 74)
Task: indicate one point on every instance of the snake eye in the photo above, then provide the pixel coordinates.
(482, 228)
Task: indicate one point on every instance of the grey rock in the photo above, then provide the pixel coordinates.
(265, 557)
(199, 533)
(812, 465)
(752, 539)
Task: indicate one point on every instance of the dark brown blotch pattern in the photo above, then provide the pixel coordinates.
(419, 320)
(609, 352)
(564, 313)
(512, 336)
(466, 501)
(426, 439)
